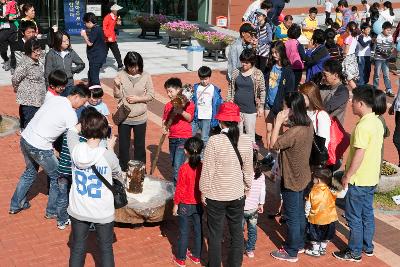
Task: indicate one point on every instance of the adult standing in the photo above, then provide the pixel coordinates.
(226, 178)
(295, 149)
(27, 30)
(29, 83)
(63, 57)
(52, 119)
(8, 35)
(247, 90)
(248, 40)
(336, 95)
(96, 47)
(133, 87)
(110, 21)
(249, 14)
(343, 7)
(277, 7)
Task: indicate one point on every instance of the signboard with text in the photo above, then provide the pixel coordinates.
(95, 9)
(73, 14)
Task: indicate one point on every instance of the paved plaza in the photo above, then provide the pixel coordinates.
(28, 239)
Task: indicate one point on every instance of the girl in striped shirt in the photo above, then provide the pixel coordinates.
(254, 205)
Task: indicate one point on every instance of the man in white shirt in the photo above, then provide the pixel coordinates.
(50, 121)
(251, 9)
(328, 10)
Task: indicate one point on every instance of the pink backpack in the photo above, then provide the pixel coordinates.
(293, 54)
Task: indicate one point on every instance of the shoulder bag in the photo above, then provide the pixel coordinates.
(117, 188)
(319, 152)
(122, 112)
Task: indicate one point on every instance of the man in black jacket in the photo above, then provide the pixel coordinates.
(27, 30)
(277, 7)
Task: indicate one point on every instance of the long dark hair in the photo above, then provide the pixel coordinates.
(58, 39)
(353, 28)
(279, 46)
(389, 6)
(256, 165)
(295, 101)
(194, 146)
(233, 133)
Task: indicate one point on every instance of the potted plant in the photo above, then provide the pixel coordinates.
(150, 23)
(179, 29)
(213, 40)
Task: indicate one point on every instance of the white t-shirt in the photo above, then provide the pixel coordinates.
(204, 101)
(48, 96)
(52, 119)
(352, 41)
(328, 6)
(364, 51)
(251, 9)
(323, 128)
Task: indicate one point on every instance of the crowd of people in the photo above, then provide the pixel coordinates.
(213, 145)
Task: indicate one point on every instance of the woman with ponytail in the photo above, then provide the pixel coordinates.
(225, 180)
(187, 203)
(387, 13)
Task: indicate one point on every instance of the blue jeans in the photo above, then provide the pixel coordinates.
(382, 65)
(64, 183)
(189, 213)
(364, 67)
(251, 217)
(104, 236)
(33, 159)
(26, 114)
(177, 153)
(204, 126)
(293, 205)
(360, 217)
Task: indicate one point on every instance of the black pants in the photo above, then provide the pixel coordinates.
(139, 143)
(261, 63)
(115, 50)
(297, 77)
(327, 16)
(396, 134)
(26, 114)
(216, 213)
(94, 73)
(276, 12)
(104, 236)
(7, 38)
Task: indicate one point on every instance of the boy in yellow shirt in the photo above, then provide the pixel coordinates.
(310, 23)
(282, 29)
(362, 175)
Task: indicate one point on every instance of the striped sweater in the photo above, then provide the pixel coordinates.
(383, 48)
(264, 37)
(257, 194)
(222, 178)
(64, 164)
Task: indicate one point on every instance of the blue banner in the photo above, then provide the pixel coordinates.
(73, 14)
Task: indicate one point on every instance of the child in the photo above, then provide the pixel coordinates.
(264, 37)
(96, 100)
(293, 51)
(350, 65)
(364, 54)
(187, 203)
(328, 10)
(310, 23)
(366, 16)
(207, 99)
(335, 51)
(362, 175)
(90, 201)
(57, 82)
(254, 205)
(321, 212)
(339, 16)
(180, 129)
(383, 51)
(96, 47)
(356, 15)
(281, 30)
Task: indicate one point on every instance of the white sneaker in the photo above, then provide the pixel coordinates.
(64, 225)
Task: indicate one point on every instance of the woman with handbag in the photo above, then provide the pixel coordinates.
(90, 199)
(295, 149)
(133, 88)
(225, 180)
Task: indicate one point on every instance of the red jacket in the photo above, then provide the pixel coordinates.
(187, 189)
(109, 22)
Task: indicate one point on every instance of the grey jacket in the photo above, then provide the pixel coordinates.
(235, 49)
(54, 61)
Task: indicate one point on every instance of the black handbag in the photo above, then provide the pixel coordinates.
(319, 153)
(117, 188)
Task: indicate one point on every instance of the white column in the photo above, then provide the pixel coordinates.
(209, 7)
(151, 7)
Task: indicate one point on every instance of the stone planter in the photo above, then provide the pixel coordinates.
(208, 46)
(149, 26)
(179, 34)
(388, 183)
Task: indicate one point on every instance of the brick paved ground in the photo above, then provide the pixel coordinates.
(27, 239)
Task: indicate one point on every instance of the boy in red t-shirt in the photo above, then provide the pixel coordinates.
(181, 128)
